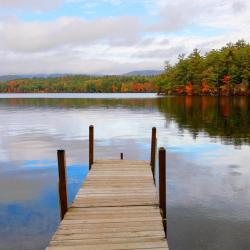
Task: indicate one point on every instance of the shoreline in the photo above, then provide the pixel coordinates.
(211, 95)
(126, 93)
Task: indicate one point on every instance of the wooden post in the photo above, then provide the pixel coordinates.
(162, 186)
(153, 150)
(62, 186)
(121, 156)
(91, 146)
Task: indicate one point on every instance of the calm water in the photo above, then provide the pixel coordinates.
(208, 161)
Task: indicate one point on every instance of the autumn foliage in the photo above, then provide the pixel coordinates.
(219, 72)
(80, 84)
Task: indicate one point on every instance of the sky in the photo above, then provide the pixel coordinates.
(113, 36)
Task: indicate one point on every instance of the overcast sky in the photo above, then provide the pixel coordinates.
(113, 36)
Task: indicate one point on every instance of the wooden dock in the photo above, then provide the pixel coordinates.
(117, 208)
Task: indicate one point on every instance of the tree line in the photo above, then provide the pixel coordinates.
(225, 71)
(80, 84)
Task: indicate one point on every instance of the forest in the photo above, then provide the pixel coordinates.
(219, 72)
(80, 84)
(225, 71)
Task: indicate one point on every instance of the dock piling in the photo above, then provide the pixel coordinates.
(153, 150)
(91, 145)
(62, 185)
(162, 186)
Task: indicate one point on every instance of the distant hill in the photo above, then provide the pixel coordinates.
(6, 78)
(144, 73)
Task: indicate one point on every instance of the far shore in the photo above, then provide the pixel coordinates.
(162, 94)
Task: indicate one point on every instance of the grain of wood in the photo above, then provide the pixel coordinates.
(117, 208)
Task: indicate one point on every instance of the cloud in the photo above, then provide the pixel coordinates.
(174, 17)
(68, 61)
(160, 53)
(180, 14)
(239, 6)
(17, 35)
(111, 2)
(75, 44)
(43, 5)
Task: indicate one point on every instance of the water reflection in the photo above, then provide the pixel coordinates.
(29, 204)
(206, 205)
(225, 118)
(208, 162)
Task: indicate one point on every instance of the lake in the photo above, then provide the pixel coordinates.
(208, 161)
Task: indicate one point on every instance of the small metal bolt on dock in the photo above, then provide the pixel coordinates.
(117, 207)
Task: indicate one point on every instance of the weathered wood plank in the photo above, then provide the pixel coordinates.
(121, 246)
(125, 162)
(111, 225)
(111, 240)
(80, 236)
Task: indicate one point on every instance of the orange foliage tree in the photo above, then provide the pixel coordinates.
(189, 88)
